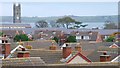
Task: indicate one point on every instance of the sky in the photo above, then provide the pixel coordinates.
(46, 9)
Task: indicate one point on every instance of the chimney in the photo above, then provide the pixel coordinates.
(23, 53)
(5, 47)
(53, 47)
(105, 57)
(67, 51)
(78, 48)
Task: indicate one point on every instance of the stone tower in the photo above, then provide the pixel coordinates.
(16, 13)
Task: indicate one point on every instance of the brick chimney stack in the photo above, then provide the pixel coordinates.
(5, 47)
(67, 51)
(23, 53)
(105, 57)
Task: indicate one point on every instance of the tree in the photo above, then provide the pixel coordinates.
(41, 24)
(22, 37)
(66, 21)
(56, 39)
(1, 33)
(110, 39)
(71, 39)
(84, 25)
(110, 26)
(77, 24)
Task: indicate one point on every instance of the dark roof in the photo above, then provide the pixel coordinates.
(41, 44)
(95, 56)
(91, 50)
(41, 49)
(46, 33)
(68, 31)
(32, 61)
(48, 56)
(10, 32)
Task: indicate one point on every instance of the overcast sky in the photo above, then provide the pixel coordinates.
(44, 9)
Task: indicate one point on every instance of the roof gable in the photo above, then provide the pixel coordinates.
(114, 46)
(117, 59)
(79, 56)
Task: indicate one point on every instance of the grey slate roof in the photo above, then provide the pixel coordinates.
(41, 49)
(95, 56)
(46, 33)
(91, 50)
(32, 61)
(48, 56)
(10, 32)
(42, 44)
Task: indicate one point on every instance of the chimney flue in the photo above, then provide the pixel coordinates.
(78, 48)
(105, 57)
(67, 51)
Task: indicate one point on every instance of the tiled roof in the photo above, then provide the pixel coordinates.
(46, 33)
(95, 55)
(41, 44)
(48, 56)
(68, 31)
(91, 50)
(32, 61)
(10, 32)
(41, 49)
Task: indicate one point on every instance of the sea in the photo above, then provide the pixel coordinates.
(91, 25)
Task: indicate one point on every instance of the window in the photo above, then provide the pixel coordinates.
(86, 37)
(78, 37)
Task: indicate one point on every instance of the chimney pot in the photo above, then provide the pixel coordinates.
(78, 48)
(104, 53)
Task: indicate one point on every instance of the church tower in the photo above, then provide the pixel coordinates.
(16, 13)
